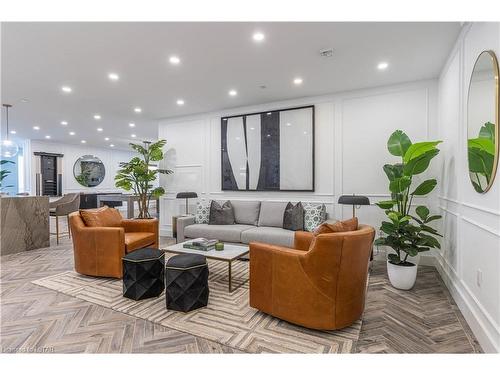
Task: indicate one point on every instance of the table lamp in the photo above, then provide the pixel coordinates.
(186, 195)
(355, 200)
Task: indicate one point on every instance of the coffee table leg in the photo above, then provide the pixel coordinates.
(230, 277)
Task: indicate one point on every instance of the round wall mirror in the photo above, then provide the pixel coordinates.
(482, 122)
(89, 170)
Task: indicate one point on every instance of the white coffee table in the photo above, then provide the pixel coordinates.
(229, 254)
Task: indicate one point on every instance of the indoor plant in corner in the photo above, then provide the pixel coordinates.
(407, 231)
(139, 174)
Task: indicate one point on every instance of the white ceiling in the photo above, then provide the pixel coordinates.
(39, 58)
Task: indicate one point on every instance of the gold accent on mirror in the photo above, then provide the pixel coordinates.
(483, 108)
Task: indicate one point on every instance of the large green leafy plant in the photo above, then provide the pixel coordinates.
(139, 174)
(481, 152)
(408, 232)
(4, 172)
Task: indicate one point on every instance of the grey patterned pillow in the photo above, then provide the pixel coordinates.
(202, 211)
(293, 218)
(314, 215)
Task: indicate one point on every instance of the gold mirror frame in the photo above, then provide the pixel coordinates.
(497, 110)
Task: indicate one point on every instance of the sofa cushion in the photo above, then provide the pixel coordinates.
(271, 214)
(314, 215)
(246, 212)
(293, 218)
(221, 214)
(138, 240)
(228, 233)
(337, 227)
(101, 217)
(270, 235)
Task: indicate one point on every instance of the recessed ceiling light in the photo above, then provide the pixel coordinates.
(133, 135)
(382, 66)
(47, 136)
(298, 81)
(13, 132)
(233, 92)
(113, 76)
(258, 37)
(99, 129)
(305, 132)
(180, 102)
(137, 109)
(132, 125)
(269, 113)
(36, 127)
(64, 123)
(288, 124)
(174, 60)
(66, 89)
(24, 100)
(252, 128)
(106, 139)
(111, 145)
(97, 117)
(71, 133)
(83, 141)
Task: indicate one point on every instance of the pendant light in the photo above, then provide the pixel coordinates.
(9, 148)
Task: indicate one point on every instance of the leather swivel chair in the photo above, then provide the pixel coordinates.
(320, 284)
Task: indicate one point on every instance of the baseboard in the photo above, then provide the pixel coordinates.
(484, 329)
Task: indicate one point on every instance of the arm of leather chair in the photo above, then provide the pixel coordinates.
(264, 259)
(142, 225)
(99, 250)
(182, 223)
(303, 240)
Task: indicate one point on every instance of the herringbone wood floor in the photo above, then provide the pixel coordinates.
(36, 319)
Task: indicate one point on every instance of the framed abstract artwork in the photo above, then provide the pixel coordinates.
(268, 151)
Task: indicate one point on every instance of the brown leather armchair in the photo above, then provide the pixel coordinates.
(320, 284)
(98, 251)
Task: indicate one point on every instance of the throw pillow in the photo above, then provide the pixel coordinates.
(221, 215)
(337, 227)
(202, 211)
(101, 217)
(293, 218)
(314, 215)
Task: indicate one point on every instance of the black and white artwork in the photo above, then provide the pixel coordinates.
(269, 150)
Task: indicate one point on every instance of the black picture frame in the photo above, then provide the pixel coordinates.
(224, 152)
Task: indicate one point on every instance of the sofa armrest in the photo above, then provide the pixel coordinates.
(303, 240)
(99, 250)
(142, 225)
(182, 223)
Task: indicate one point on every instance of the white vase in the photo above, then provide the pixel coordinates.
(402, 277)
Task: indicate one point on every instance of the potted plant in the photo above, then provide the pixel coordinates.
(407, 231)
(138, 174)
(4, 173)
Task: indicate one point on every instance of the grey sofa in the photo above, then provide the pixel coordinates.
(255, 221)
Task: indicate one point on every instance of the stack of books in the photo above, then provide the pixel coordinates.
(202, 244)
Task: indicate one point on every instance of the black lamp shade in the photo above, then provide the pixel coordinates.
(357, 200)
(187, 194)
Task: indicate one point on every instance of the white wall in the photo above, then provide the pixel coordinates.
(109, 157)
(351, 132)
(471, 222)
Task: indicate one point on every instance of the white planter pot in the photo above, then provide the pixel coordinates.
(402, 277)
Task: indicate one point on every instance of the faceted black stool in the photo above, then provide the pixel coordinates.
(187, 282)
(143, 274)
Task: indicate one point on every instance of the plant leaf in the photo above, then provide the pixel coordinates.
(425, 187)
(417, 149)
(394, 258)
(422, 212)
(386, 204)
(393, 171)
(483, 144)
(432, 218)
(420, 164)
(399, 184)
(398, 143)
(488, 131)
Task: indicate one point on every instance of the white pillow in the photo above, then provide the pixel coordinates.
(202, 211)
(314, 215)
